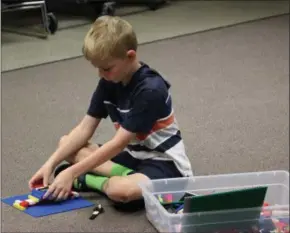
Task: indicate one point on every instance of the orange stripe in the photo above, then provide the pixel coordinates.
(157, 126)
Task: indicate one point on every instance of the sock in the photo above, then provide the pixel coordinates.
(120, 170)
(91, 181)
(96, 182)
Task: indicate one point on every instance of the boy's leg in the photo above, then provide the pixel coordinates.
(125, 189)
(97, 177)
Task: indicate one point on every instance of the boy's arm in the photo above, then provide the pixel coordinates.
(81, 134)
(106, 152)
(76, 139)
(141, 119)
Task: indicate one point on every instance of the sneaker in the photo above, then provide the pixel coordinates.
(60, 168)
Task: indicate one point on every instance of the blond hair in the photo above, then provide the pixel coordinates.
(109, 37)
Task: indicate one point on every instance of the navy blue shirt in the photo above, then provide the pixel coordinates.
(144, 107)
(135, 106)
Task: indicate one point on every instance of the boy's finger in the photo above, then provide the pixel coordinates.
(66, 195)
(49, 191)
(54, 195)
(61, 196)
(31, 183)
(45, 181)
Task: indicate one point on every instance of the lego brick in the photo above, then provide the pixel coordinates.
(33, 198)
(38, 193)
(18, 206)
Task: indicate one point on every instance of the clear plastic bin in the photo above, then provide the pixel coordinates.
(209, 222)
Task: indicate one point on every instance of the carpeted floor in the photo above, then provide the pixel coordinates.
(231, 97)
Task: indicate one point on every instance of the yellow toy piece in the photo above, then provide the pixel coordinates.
(24, 204)
(17, 205)
(33, 198)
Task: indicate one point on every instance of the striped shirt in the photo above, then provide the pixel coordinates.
(144, 107)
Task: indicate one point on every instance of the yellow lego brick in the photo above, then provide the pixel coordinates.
(18, 206)
(33, 198)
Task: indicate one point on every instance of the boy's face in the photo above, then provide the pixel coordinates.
(117, 69)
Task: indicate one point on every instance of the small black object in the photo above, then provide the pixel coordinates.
(187, 194)
(155, 4)
(97, 210)
(109, 8)
(61, 168)
(171, 210)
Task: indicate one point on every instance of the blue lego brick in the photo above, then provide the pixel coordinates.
(38, 193)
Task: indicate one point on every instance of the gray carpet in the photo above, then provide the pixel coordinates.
(230, 90)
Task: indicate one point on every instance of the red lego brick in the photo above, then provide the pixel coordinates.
(24, 204)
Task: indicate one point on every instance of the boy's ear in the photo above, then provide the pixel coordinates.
(131, 54)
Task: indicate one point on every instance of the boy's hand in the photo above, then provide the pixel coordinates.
(61, 186)
(43, 173)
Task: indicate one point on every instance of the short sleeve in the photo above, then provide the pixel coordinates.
(147, 109)
(97, 107)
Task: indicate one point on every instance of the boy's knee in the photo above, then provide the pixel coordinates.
(122, 189)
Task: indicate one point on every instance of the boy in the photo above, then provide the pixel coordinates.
(147, 143)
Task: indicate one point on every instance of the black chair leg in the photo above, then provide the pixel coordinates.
(109, 8)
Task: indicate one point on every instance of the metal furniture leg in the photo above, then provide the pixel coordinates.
(49, 23)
